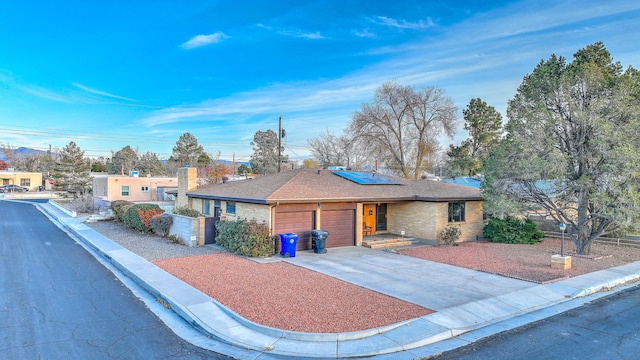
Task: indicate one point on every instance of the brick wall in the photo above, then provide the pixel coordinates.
(416, 219)
(258, 212)
(187, 181)
(427, 219)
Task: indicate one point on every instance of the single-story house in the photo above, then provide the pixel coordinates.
(133, 188)
(31, 180)
(349, 205)
(464, 181)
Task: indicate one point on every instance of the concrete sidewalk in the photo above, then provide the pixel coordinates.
(469, 304)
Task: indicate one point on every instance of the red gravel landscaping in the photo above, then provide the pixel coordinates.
(285, 296)
(526, 262)
(289, 297)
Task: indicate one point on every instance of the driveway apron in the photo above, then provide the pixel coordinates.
(426, 283)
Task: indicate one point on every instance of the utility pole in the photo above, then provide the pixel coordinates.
(279, 141)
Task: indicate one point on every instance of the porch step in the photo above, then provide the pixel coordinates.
(385, 243)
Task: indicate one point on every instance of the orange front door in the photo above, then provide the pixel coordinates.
(369, 217)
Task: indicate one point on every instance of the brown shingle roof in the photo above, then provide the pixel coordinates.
(306, 185)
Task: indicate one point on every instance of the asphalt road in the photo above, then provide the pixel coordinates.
(608, 328)
(58, 302)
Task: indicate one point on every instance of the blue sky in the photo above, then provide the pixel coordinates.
(107, 74)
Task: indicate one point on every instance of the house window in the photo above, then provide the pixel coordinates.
(144, 189)
(217, 209)
(456, 211)
(25, 182)
(206, 206)
(231, 207)
(125, 191)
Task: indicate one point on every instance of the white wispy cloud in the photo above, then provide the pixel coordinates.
(364, 33)
(100, 92)
(492, 53)
(402, 24)
(293, 32)
(312, 36)
(203, 40)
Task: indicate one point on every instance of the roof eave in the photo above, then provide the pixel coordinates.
(227, 198)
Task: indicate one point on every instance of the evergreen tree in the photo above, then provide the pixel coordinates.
(123, 161)
(571, 147)
(71, 171)
(264, 159)
(149, 164)
(484, 124)
(187, 151)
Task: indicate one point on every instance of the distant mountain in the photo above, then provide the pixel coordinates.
(238, 163)
(21, 152)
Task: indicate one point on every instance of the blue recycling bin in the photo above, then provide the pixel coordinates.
(288, 243)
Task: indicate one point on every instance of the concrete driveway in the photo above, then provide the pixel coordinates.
(426, 283)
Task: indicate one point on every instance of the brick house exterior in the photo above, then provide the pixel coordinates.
(303, 200)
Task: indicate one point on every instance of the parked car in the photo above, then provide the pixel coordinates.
(13, 188)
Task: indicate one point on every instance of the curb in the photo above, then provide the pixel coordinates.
(261, 338)
(406, 339)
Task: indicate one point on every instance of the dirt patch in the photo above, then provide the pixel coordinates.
(289, 297)
(526, 262)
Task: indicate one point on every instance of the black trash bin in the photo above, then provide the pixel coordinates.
(288, 243)
(319, 241)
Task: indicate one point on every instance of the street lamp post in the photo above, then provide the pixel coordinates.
(562, 228)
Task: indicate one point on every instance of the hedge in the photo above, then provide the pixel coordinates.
(138, 216)
(511, 230)
(118, 209)
(161, 224)
(246, 238)
(185, 211)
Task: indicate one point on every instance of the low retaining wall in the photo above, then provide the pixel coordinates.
(189, 230)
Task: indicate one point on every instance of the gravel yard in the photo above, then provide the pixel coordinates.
(149, 246)
(526, 262)
(276, 294)
(285, 296)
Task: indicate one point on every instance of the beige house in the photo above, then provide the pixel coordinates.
(133, 188)
(31, 180)
(350, 205)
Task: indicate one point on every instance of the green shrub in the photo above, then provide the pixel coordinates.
(511, 230)
(450, 235)
(118, 209)
(185, 211)
(246, 238)
(174, 238)
(138, 216)
(161, 224)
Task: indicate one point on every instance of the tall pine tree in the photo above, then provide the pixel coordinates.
(72, 172)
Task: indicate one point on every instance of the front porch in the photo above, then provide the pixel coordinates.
(387, 240)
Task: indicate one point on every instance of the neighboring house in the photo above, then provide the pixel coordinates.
(464, 181)
(133, 188)
(347, 204)
(31, 180)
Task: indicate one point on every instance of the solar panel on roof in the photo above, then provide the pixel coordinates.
(367, 178)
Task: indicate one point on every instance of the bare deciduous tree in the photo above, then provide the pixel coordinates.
(332, 150)
(402, 125)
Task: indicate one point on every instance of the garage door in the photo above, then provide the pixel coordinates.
(298, 222)
(340, 224)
